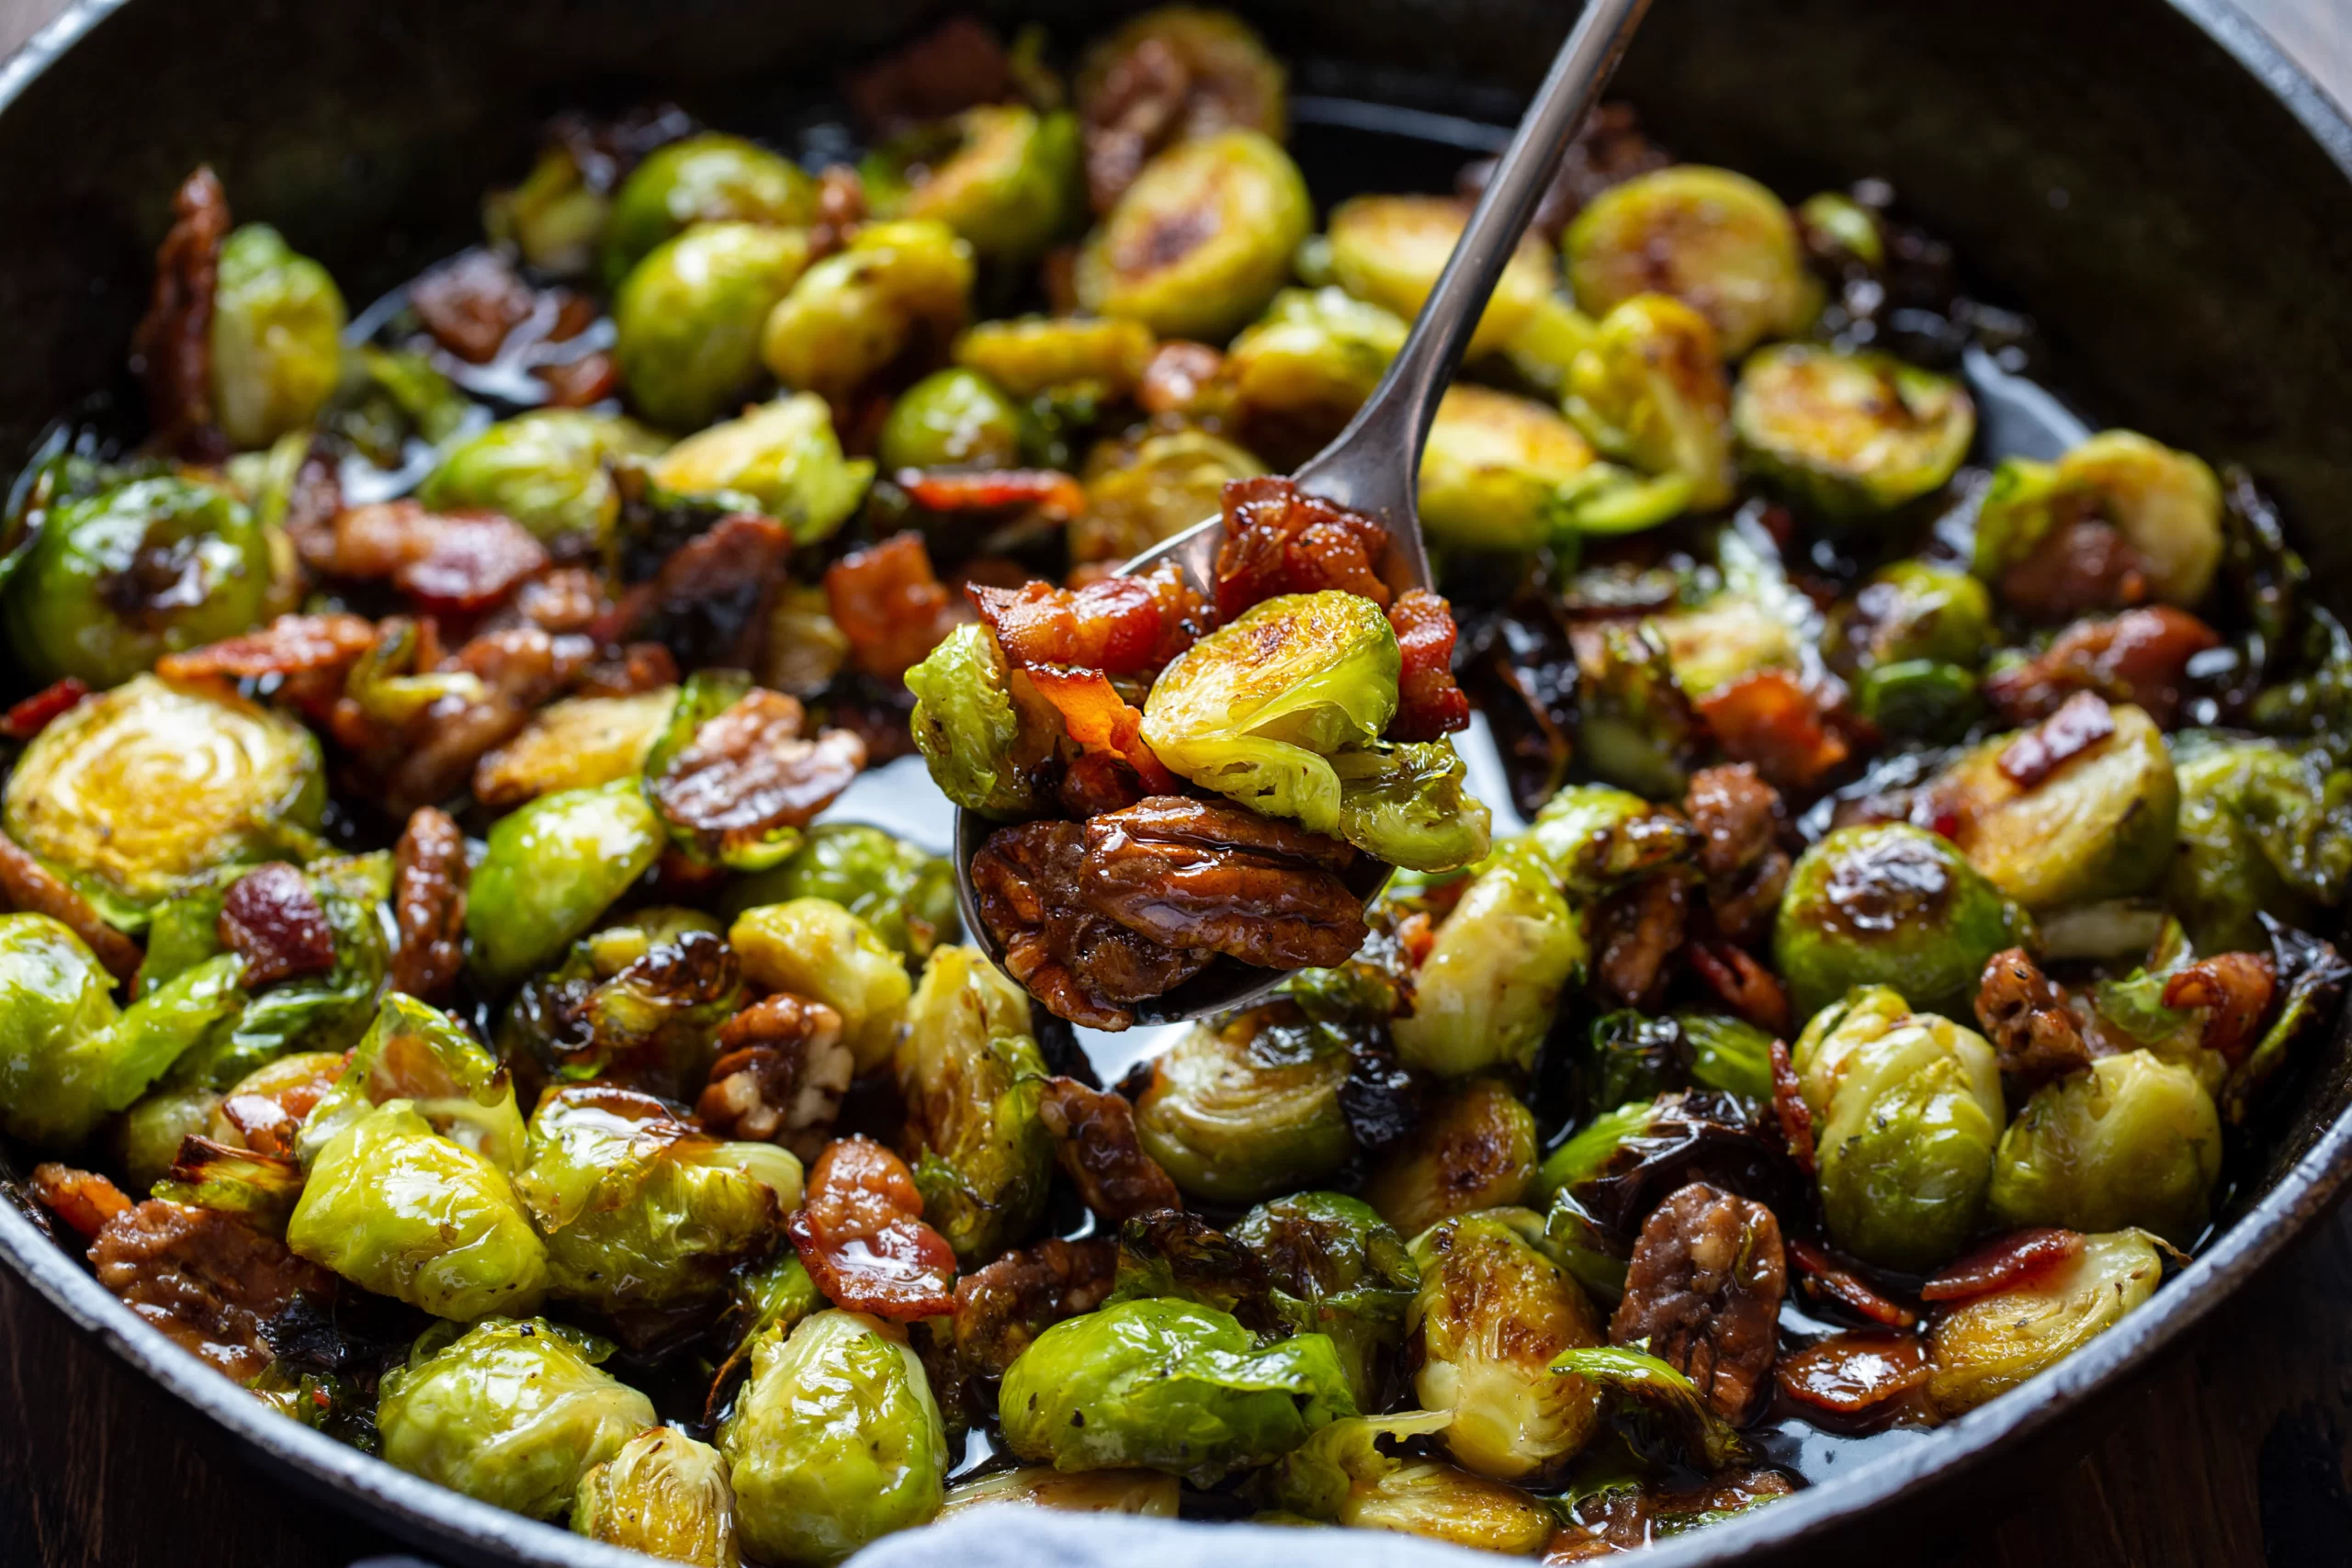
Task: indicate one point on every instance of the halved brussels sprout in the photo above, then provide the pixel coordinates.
(1312, 359)
(1909, 641)
(1849, 434)
(577, 743)
(1389, 250)
(1493, 473)
(814, 948)
(1474, 1149)
(56, 999)
(2101, 826)
(951, 419)
(636, 1004)
(1202, 240)
(663, 1494)
(1246, 1108)
(550, 869)
(511, 1413)
(1230, 77)
(145, 567)
(1666, 1394)
(977, 740)
(1143, 1492)
(1150, 487)
(1546, 344)
(134, 794)
(784, 456)
(1408, 804)
(555, 217)
(1029, 355)
(1906, 1107)
(1337, 1268)
(906, 894)
(1484, 996)
(687, 319)
(971, 1076)
(419, 1056)
(1889, 903)
(1342, 1475)
(1002, 175)
(1492, 1313)
(2133, 1142)
(1734, 634)
(834, 1440)
(1650, 389)
(1168, 1385)
(855, 313)
(544, 468)
(1991, 1344)
(703, 179)
(1635, 726)
(1842, 232)
(1593, 840)
(275, 339)
(1255, 710)
(2166, 504)
(1713, 239)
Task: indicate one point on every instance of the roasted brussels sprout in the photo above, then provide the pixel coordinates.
(1246, 1108)
(1003, 177)
(277, 337)
(1492, 1313)
(970, 1074)
(513, 1412)
(1655, 1385)
(687, 319)
(1474, 1149)
(1889, 903)
(1593, 840)
(705, 178)
(57, 1003)
(145, 567)
(135, 793)
(2134, 1143)
(834, 1441)
(544, 468)
(550, 869)
(1312, 359)
(951, 418)
(1906, 1107)
(1340, 1475)
(1256, 709)
(2100, 826)
(1410, 805)
(577, 743)
(816, 949)
(980, 744)
(1389, 249)
(2251, 815)
(1635, 726)
(419, 1056)
(1636, 1058)
(555, 217)
(1153, 486)
(638, 1004)
(663, 1494)
(1650, 389)
(1992, 1343)
(1485, 994)
(1849, 434)
(2166, 504)
(1227, 77)
(1144, 1492)
(784, 456)
(1029, 355)
(1202, 240)
(1712, 644)
(1168, 1385)
(855, 313)
(1496, 469)
(1336, 1268)
(906, 895)
(1909, 642)
(1715, 240)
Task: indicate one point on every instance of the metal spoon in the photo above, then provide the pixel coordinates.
(1373, 466)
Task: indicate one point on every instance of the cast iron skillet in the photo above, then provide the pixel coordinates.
(2166, 194)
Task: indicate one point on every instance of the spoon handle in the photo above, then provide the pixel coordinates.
(1363, 468)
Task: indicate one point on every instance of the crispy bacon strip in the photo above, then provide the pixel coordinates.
(30, 717)
(84, 1200)
(1098, 718)
(1057, 496)
(860, 1235)
(290, 644)
(449, 562)
(172, 350)
(2003, 1263)
(1428, 701)
(1824, 1277)
(2141, 657)
(1790, 1110)
(2238, 988)
(2081, 722)
(1118, 624)
(31, 886)
(1752, 992)
(1094, 1139)
(890, 605)
(1850, 1373)
(272, 920)
(1279, 540)
(1769, 719)
(470, 302)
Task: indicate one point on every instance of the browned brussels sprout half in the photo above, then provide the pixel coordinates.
(1849, 434)
(1715, 240)
(1202, 240)
(1889, 905)
(1990, 1344)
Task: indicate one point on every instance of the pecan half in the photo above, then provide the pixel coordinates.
(2025, 1016)
(209, 1282)
(748, 774)
(860, 1235)
(1740, 822)
(449, 562)
(429, 883)
(290, 644)
(1704, 1290)
(470, 302)
(1751, 991)
(781, 1072)
(272, 920)
(710, 602)
(2079, 568)
(1094, 1139)
(1191, 875)
(30, 886)
(1003, 1307)
(1083, 966)
(1637, 927)
(171, 350)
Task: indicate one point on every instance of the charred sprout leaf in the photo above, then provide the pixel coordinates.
(1475, 1148)
(1484, 996)
(1176, 1256)
(1407, 804)
(1594, 840)
(1337, 1268)
(1663, 1392)
(1622, 1164)
(1849, 434)
(1635, 726)
(2311, 975)
(2133, 1141)
(663, 1494)
(1891, 905)
(1201, 241)
(1991, 1344)
(969, 1068)
(259, 1189)
(969, 730)
(1250, 1108)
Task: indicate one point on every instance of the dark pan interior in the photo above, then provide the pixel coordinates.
(2168, 199)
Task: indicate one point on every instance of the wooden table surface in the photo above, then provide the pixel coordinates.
(2237, 1454)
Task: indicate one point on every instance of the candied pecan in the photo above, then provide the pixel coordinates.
(1429, 702)
(470, 302)
(1094, 1139)
(84, 1200)
(1752, 992)
(2078, 567)
(955, 65)
(208, 1281)
(450, 563)
(1096, 782)
(2081, 722)
(1824, 1277)
(576, 383)
(1135, 111)
(1855, 1370)
(1178, 376)
(841, 207)
(290, 644)
(1704, 1290)
(2003, 1263)
(1772, 720)
(1790, 1110)
(1188, 874)
(429, 904)
(1000, 1309)
(564, 599)
(1636, 929)
(748, 774)
(1279, 540)
(888, 604)
(30, 717)
(1055, 496)
(2235, 989)
(1740, 822)
(2141, 657)
(2026, 1018)
(171, 350)
(781, 1072)
(861, 1236)
(1121, 625)
(313, 501)
(431, 756)
(272, 920)
(710, 602)
(637, 668)
(1081, 964)
(27, 885)
(1104, 724)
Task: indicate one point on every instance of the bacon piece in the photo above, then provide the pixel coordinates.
(1120, 624)
(748, 774)
(576, 383)
(1824, 1277)
(2004, 1263)
(449, 562)
(2026, 1017)
(1429, 702)
(861, 1236)
(430, 754)
(2082, 723)
(272, 920)
(566, 599)
(171, 350)
(1848, 1373)
(268, 1122)
(1769, 719)
(30, 717)
(31, 886)
(2236, 987)
(1082, 965)
(429, 903)
(290, 644)
(1057, 496)
(1279, 540)
(1001, 1308)
(1790, 1110)
(1751, 991)
(208, 1281)
(955, 65)
(84, 1200)
(1178, 376)
(636, 668)
(889, 604)
(1094, 1139)
(1098, 718)
(2140, 656)
(2077, 569)
(470, 303)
